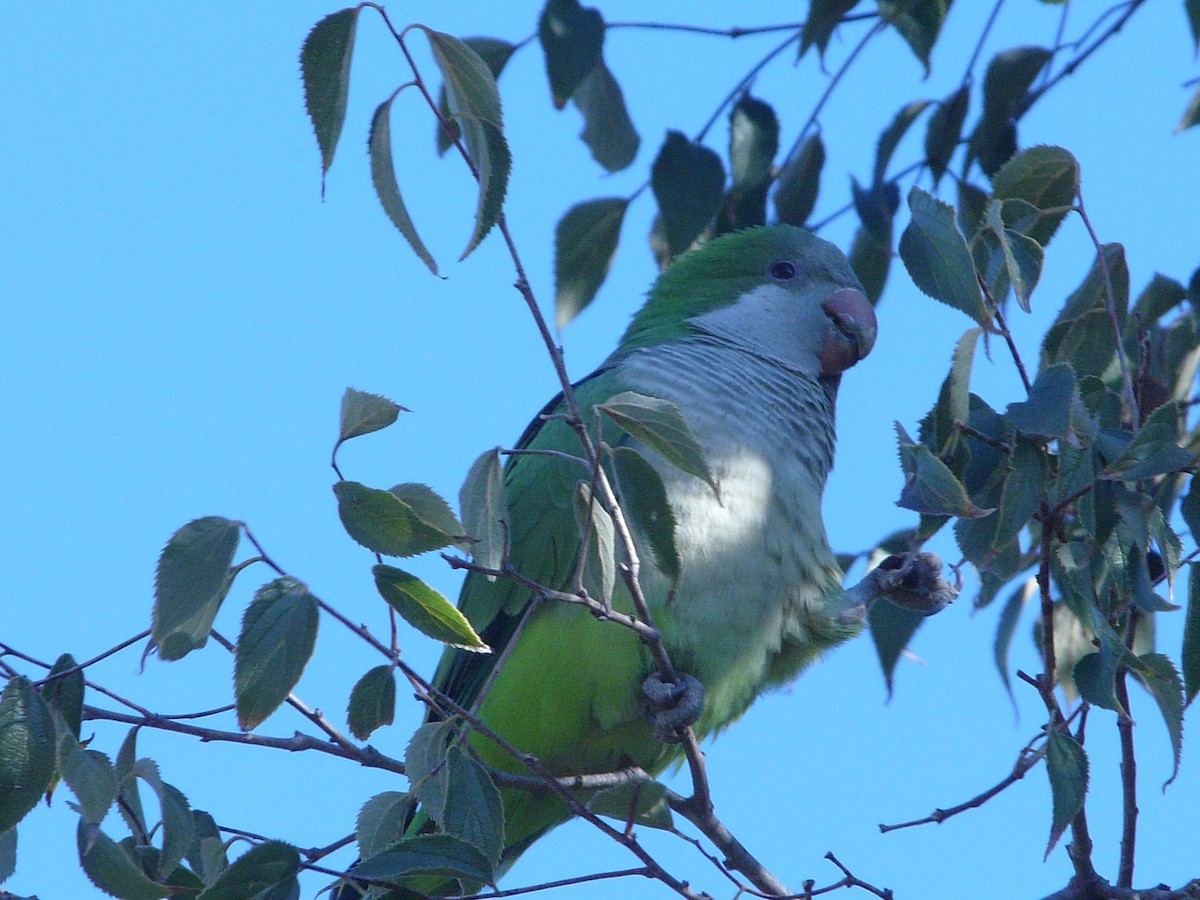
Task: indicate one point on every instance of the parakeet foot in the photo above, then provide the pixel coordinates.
(673, 706)
(914, 581)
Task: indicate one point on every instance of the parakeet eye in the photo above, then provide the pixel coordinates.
(783, 270)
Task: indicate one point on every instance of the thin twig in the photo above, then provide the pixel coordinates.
(1128, 767)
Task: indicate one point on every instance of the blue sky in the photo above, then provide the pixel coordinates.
(182, 314)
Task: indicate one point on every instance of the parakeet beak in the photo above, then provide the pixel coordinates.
(851, 331)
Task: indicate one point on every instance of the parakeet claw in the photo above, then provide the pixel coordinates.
(914, 581)
(673, 706)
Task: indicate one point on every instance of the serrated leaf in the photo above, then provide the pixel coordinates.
(363, 413)
(600, 562)
(1067, 767)
(425, 766)
(688, 181)
(90, 776)
(937, 258)
(944, 132)
(191, 581)
(474, 811)
(428, 855)
(8, 853)
(259, 869)
(65, 692)
(753, 142)
(823, 17)
(644, 500)
(279, 632)
(634, 802)
(608, 131)
(384, 523)
(1022, 256)
(425, 609)
(178, 829)
(111, 869)
(435, 522)
(870, 259)
(372, 702)
(892, 135)
(799, 182)
(954, 400)
(27, 750)
(1157, 299)
(1009, 76)
(484, 507)
(1046, 177)
(383, 177)
(892, 628)
(325, 68)
(930, 488)
(129, 800)
(1024, 489)
(1189, 655)
(1047, 412)
(660, 426)
(918, 23)
(495, 53)
(206, 855)
(1153, 451)
(1166, 687)
(572, 38)
(382, 820)
(585, 242)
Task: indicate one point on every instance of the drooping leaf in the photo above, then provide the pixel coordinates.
(572, 38)
(954, 400)
(259, 869)
(1046, 178)
(876, 207)
(1192, 8)
(207, 855)
(113, 870)
(484, 509)
(27, 750)
(918, 23)
(129, 799)
(1158, 298)
(1191, 114)
(753, 142)
(474, 812)
(660, 426)
(325, 68)
(600, 562)
(372, 702)
(608, 131)
(1166, 687)
(892, 135)
(90, 776)
(823, 18)
(688, 181)
(937, 258)
(65, 692)
(425, 609)
(644, 500)
(1047, 412)
(1189, 655)
(364, 413)
(930, 488)
(870, 259)
(635, 802)
(8, 853)
(279, 632)
(178, 829)
(429, 855)
(1021, 255)
(383, 177)
(1023, 492)
(1010, 615)
(799, 182)
(944, 131)
(382, 820)
(425, 766)
(191, 581)
(585, 242)
(1009, 76)
(972, 203)
(496, 54)
(892, 628)
(1067, 767)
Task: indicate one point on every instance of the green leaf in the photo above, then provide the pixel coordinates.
(382, 820)
(495, 53)
(1158, 298)
(27, 750)
(1067, 767)
(484, 507)
(1047, 412)
(474, 812)
(799, 182)
(876, 207)
(1009, 76)
(634, 802)
(972, 203)
(259, 869)
(1046, 178)
(206, 855)
(65, 692)
(279, 632)
(111, 869)
(945, 130)
(325, 68)
(644, 500)
(954, 400)
(753, 142)
(191, 581)
(1022, 256)
(364, 413)
(1166, 687)
(1024, 489)
(572, 38)
(600, 561)
(870, 259)
(660, 426)
(823, 17)
(129, 801)
(892, 628)
(1193, 14)
(436, 525)
(918, 23)
(1006, 627)
(474, 103)
(425, 766)
(372, 702)
(608, 131)
(383, 177)
(1153, 451)
(430, 855)
(930, 488)
(1191, 114)
(688, 181)
(585, 242)
(426, 610)
(891, 135)
(1189, 655)
(937, 258)
(90, 776)
(384, 523)
(8, 853)
(178, 829)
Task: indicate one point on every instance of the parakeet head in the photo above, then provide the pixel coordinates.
(776, 291)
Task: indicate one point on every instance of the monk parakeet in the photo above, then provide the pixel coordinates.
(749, 336)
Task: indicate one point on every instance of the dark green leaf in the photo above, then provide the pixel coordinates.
(753, 142)
(435, 523)
(799, 182)
(129, 801)
(259, 869)
(27, 750)
(474, 812)
(1191, 114)
(1160, 296)
(8, 853)
(65, 692)
(688, 181)
(585, 242)
(972, 203)
(876, 207)
(363, 413)
(1067, 766)
(383, 177)
(178, 829)
(572, 38)
(660, 426)
(279, 632)
(892, 627)
(495, 53)
(918, 23)
(607, 129)
(90, 776)
(426, 610)
(190, 583)
(1024, 489)
(1009, 76)
(870, 259)
(954, 400)
(428, 854)
(634, 802)
(944, 132)
(930, 487)
(425, 766)
(111, 869)
(1022, 256)
(823, 17)
(937, 258)
(644, 500)
(1047, 412)
(1153, 451)
(1189, 655)
(1087, 343)
(382, 820)
(1193, 13)
(600, 561)
(384, 523)
(325, 67)
(892, 135)
(372, 702)
(1007, 626)
(484, 508)
(1046, 178)
(1166, 687)
(206, 855)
